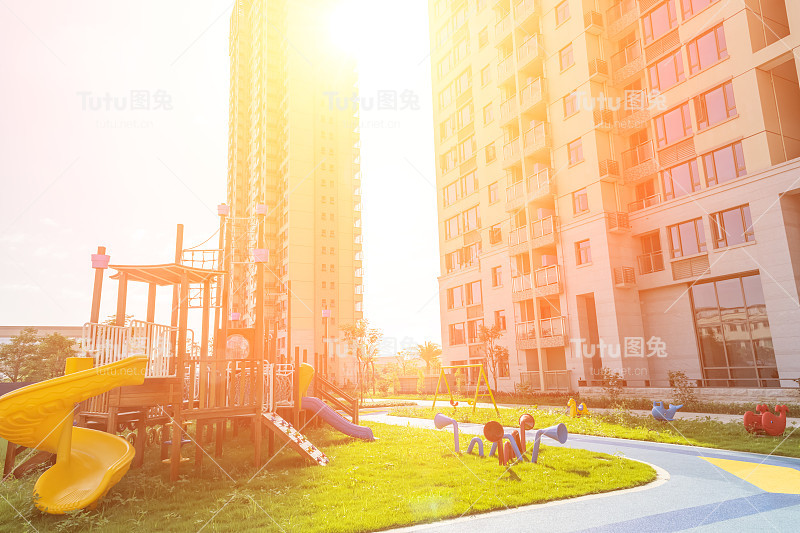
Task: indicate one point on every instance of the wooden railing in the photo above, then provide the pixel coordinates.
(336, 396)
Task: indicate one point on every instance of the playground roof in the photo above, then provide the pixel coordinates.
(169, 274)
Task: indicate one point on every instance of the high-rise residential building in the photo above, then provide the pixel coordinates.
(294, 176)
(617, 188)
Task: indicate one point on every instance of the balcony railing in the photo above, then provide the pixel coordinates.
(538, 180)
(619, 10)
(638, 155)
(593, 22)
(535, 138)
(525, 330)
(503, 27)
(644, 203)
(554, 380)
(524, 9)
(552, 327)
(514, 191)
(625, 56)
(547, 276)
(518, 236)
(521, 283)
(505, 68)
(532, 93)
(511, 149)
(652, 262)
(545, 226)
(508, 110)
(529, 50)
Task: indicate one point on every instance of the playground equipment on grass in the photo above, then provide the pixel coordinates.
(88, 462)
(494, 433)
(482, 381)
(558, 432)
(764, 422)
(473, 442)
(442, 421)
(665, 415)
(574, 410)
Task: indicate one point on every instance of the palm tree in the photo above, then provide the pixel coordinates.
(430, 353)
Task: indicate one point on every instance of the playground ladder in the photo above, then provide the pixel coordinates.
(294, 438)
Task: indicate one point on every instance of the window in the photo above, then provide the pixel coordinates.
(469, 184)
(583, 252)
(452, 261)
(457, 334)
(324, 267)
(466, 149)
(472, 219)
(667, 72)
(651, 260)
(687, 238)
(673, 125)
(455, 297)
(580, 201)
(493, 192)
(486, 75)
(732, 227)
(659, 21)
(491, 153)
(324, 250)
(733, 331)
(483, 37)
(562, 12)
(487, 114)
(571, 104)
(450, 194)
(495, 234)
(332, 251)
(500, 319)
(464, 116)
(332, 268)
(452, 227)
(497, 276)
(715, 106)
(707, 49)
(473, 329)
(724, 164)
(446, 128)
(575, 150)
(566, 57)
(681, 179)
(690, 7)
(473, 291)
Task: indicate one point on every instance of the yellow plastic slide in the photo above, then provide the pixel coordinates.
(88, 462)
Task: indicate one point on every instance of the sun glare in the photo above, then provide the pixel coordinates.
(349, 24)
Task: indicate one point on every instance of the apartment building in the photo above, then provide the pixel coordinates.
(618, 186)
(294, 182)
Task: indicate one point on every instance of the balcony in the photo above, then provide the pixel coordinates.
(502, 30)
(644, 203)
(652, 262)
(554, 380)
(515, 196)
(521, 283)
(624, 277)
(532, 95)
(511, 153)
(635, 113)
(598, 70)
(639, 162)
(543, 232)
(509, 111)
(603, 119)
(518, 236)
(505, 70)
(530, 51)
(593, 22)
(537, 140)
(525, 11)
(627, 63)
(551, 333)
(618, 222)
(609, 169)
(621, 16)
(547, 281)
(540, 186)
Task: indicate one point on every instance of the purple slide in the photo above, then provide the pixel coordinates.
(336, 421)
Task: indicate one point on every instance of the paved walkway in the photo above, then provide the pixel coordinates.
(690, 494)
(791, 421)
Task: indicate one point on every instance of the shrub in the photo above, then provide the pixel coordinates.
(682, 388)
(612, 384)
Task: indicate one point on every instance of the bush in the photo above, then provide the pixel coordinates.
(682, 388)
(612, 385)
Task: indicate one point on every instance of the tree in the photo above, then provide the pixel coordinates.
(430, 352)
(495, 354)
(364, 341)
(53, 351)
(405, 361)
(112, 320)
(20, 356)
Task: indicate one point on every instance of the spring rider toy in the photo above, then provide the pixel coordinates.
(574, 410)
(665, 415)
(763, 422)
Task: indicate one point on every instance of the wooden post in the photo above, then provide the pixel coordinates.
(122, 297)
(151, 302)
(175, 288)
(259, 351)
(288, 321)
(98, 289)
(177, 428)
(296, 388)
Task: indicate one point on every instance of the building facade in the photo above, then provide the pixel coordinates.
(618, 186)
(294, 183)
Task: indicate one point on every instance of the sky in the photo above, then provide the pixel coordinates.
(114, 129)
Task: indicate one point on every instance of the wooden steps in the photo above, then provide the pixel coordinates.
(295, 439)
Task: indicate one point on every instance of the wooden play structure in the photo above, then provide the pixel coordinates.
(199, 390)
(483, 381)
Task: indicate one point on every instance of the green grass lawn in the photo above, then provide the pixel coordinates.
(408, 476)
(620, 424)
